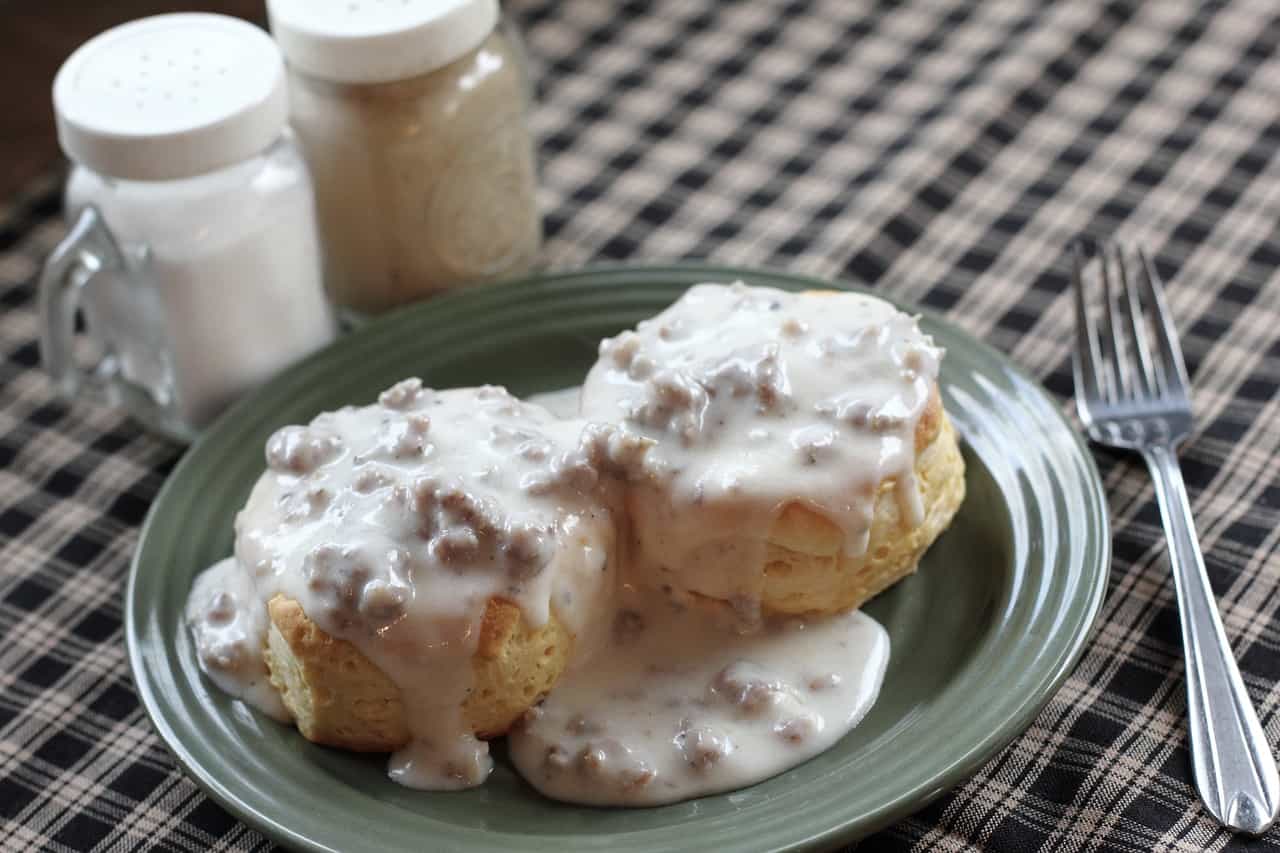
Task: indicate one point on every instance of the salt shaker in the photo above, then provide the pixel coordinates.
(413, 116)
(193, 252)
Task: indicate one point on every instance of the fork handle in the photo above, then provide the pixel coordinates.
(1231, 760)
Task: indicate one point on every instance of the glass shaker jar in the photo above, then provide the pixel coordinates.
(193, 251)
(413, 116)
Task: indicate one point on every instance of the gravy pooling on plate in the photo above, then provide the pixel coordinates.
(679, 703)
(679, 682)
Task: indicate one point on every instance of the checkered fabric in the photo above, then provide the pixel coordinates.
(945, 152)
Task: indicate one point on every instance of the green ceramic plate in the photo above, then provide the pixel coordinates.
(981, 636)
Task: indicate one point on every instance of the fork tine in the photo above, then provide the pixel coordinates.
(1117, 369)
(1147, 377)
(1086, 357)
(1166, 332)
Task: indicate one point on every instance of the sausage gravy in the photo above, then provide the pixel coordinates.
(393, 525)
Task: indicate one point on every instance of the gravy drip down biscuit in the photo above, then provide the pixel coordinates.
(417, 572)
(787, 430)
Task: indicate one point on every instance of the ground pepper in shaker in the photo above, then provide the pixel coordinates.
(193, 253)
(413, 116)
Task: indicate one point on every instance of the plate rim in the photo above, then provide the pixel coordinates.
(906, 803)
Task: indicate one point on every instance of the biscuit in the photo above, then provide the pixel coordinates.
(338, 697)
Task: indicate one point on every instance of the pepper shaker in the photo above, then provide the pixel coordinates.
(413, 116)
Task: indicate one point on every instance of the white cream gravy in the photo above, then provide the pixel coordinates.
(677, 704)
(757, 398)
(711, 417)
(393, 525)
(229, 628)
(562, 402)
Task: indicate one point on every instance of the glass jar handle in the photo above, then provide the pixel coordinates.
(87, 250)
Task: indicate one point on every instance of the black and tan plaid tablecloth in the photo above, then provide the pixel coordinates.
(945, 152)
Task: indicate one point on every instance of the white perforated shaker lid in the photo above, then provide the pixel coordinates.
(170, 97)
(378, 41)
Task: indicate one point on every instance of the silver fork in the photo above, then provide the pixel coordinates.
(1146, 407)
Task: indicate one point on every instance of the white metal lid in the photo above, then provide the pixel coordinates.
(170, 96)
(378, 41)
